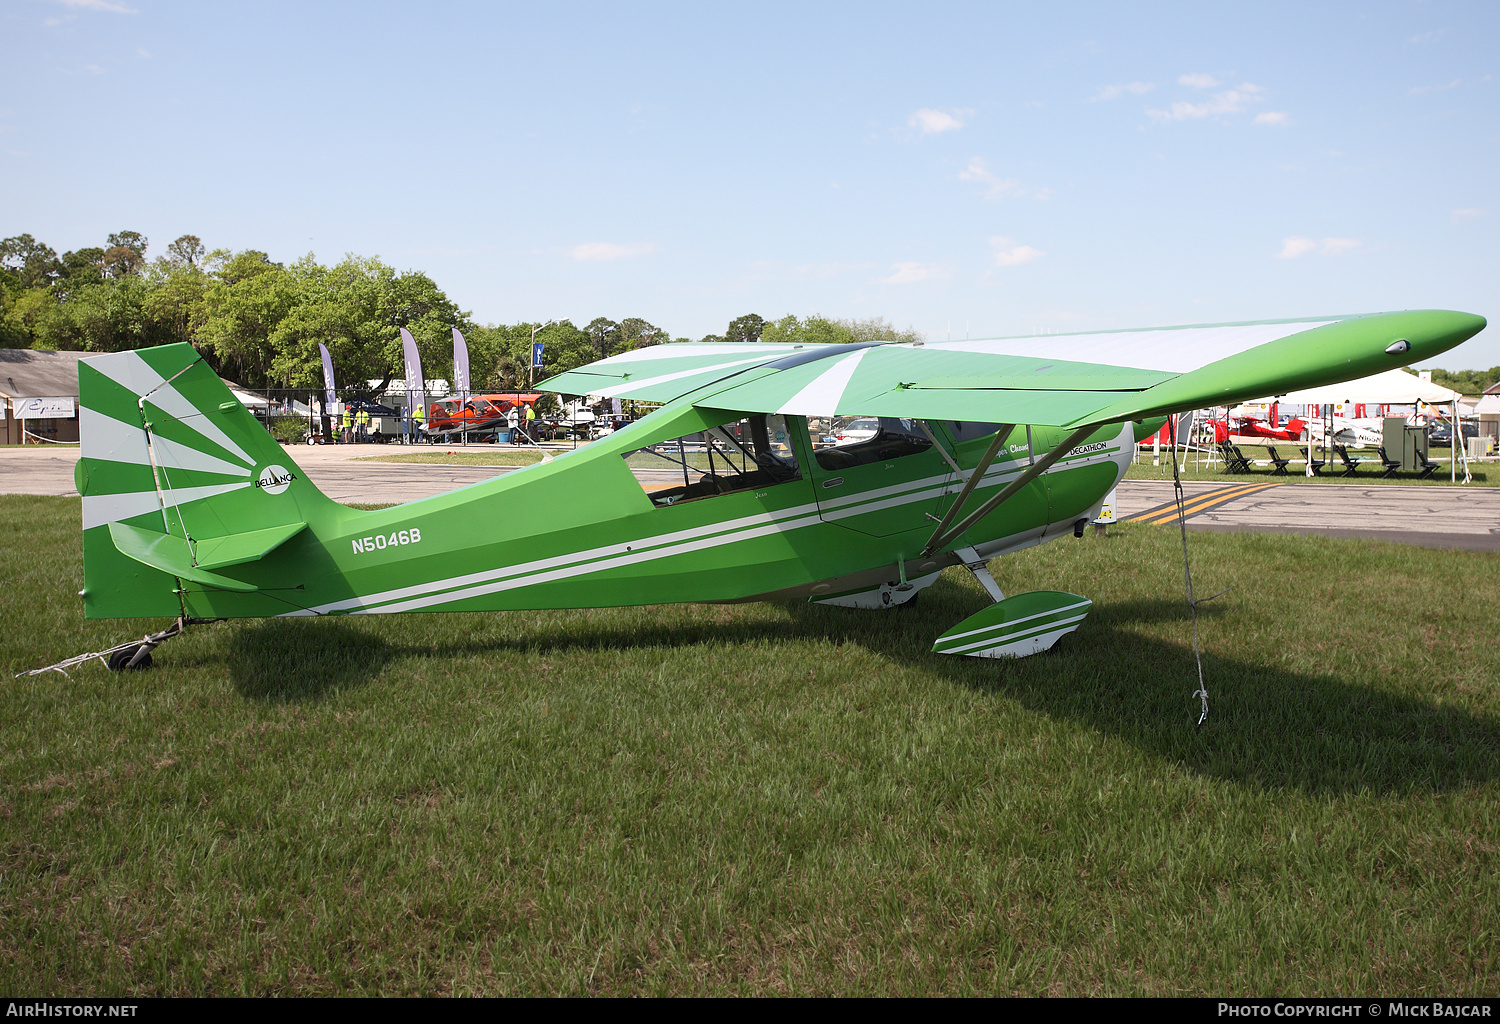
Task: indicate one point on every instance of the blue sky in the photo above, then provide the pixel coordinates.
(979, 169)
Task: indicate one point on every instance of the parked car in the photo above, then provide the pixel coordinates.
(1441, 435)
(856, 431)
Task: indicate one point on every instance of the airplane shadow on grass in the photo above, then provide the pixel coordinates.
(1269, 727)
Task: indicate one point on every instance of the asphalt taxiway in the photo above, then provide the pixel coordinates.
(1428, 516)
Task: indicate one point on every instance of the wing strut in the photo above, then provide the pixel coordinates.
(942, 451)
(939, 538)
(969, 484)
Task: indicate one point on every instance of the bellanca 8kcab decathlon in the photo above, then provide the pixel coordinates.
(192, 510)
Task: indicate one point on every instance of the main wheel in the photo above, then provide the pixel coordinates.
(120, 660)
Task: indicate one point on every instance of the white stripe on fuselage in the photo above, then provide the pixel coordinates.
(666, 545)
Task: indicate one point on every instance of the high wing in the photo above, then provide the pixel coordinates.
(1054, 380)
(662, 373)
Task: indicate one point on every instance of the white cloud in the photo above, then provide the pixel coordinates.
(1114, 92)
(910, 273)
(1230, 101)
(1010, 253)
(997, 187)
(98, 5)
(1427, 37)
(594, 252)
(1295, 245)
(1275, 117)
(931, 122)
(1198, 81)
(826, 270)
(1468, 213)
(1427, 90)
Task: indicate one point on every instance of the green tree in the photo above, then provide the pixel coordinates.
(604, 335)
(357, 309)
(638, 333)
(82, 266)
(187, 249)
(124, 254)
(1468, 382)
(244, 302)
(34, 264)
(175, 300)
(819, 330)
(745, 328)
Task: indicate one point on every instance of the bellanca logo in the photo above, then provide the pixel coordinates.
(274, 479)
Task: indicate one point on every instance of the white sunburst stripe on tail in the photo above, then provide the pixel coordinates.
(110, 440)
(173, 455)
(133, 373)
(100, 509)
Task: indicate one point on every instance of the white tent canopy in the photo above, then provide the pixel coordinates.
(1392, 387)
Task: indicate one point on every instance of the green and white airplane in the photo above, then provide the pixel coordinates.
(192, 510)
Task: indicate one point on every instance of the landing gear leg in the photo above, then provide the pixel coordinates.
(981, 570)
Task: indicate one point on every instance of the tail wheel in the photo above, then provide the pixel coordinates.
(120, 660)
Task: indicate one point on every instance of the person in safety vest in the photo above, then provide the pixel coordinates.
(418, 416)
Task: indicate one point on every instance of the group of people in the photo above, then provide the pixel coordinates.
(354, 426)
(517, 420)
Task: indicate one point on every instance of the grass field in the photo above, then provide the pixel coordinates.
(769, 798)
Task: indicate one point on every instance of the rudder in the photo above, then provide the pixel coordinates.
(166, 448)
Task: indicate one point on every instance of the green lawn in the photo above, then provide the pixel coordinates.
(770, 798)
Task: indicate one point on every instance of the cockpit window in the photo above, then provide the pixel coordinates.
(751, 453)
(868, 440)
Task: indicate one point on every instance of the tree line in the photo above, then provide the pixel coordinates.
(259, 322)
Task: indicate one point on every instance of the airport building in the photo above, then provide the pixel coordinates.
(39, 391)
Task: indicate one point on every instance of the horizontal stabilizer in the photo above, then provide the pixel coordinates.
(217, 552)
(170, 555)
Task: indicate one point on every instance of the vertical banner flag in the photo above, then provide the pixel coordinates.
(330, 391)
(460, 365)
(536, 352)
(415, 385)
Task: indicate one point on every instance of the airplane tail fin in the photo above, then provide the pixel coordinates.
(180, 483)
